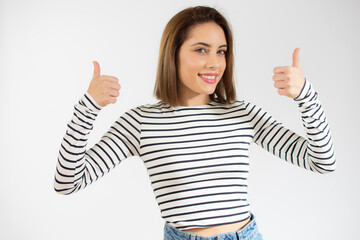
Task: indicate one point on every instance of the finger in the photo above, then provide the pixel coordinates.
(281, 84)
(111, 86)
(296, 60)
(114, 93)
(279, 77)
(282, 91)
(115, 86)
(109, 78)
(282, 69)
(113, 99)
(96, 69)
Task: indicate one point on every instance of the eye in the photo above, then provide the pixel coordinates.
(222, 52)
(201, 50)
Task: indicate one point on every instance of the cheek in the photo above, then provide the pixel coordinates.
(189, 68)
(194, 63)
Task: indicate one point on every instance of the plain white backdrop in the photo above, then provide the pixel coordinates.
(46, 54)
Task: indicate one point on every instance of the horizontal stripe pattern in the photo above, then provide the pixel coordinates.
(197, 157)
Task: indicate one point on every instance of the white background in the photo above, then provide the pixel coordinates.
(46, 54)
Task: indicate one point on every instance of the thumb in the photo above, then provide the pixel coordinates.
(96, 69)
(296, 61)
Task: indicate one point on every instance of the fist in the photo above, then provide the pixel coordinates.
(103, 89)
(289, 80)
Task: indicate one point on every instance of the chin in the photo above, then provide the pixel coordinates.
(210, 91)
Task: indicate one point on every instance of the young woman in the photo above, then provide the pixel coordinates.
(194, 142)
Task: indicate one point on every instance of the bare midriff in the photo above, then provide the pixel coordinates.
(215, 230)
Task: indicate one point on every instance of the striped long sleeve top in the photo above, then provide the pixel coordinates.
(197, 157)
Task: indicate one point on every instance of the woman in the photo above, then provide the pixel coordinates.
(194, 142)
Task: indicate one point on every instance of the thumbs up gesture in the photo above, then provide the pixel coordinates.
(289, 80)
(103, 89)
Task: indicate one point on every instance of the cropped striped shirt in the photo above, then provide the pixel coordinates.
(197, 157)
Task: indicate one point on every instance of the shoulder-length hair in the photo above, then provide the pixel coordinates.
(174, 35)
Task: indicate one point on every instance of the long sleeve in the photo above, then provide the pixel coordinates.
(77, 167)
(315, 152)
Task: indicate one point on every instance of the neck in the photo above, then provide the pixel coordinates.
(195, 101)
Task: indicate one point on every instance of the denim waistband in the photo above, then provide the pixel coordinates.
(245, 233)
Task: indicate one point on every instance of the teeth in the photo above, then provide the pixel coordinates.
(208, 77)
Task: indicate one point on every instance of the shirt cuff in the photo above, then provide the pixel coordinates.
(304, 91)
(90, 103)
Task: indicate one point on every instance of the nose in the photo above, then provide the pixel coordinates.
(212, 61)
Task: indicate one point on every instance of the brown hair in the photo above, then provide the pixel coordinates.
(175, 33)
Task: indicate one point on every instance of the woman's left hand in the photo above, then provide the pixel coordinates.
(289, 80)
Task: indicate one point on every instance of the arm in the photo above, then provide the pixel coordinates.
(77, 167)
(315, 152)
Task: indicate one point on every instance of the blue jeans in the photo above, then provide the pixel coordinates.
(248, 232)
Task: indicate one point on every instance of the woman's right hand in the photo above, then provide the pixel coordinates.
(103, 89)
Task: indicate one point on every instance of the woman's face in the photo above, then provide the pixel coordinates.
(201, 63)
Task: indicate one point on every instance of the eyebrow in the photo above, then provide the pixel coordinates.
(208, 45)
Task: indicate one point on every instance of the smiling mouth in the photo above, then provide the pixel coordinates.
(208, 78)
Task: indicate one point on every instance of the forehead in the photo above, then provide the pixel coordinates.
(206, 32)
